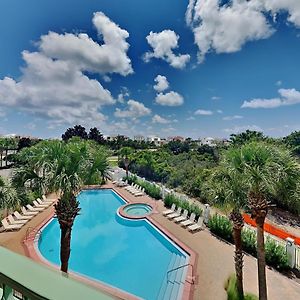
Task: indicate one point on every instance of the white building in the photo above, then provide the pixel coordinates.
(139, 138)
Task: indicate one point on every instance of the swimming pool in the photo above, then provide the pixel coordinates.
(131, 255)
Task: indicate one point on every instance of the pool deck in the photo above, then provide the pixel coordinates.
(214, 258)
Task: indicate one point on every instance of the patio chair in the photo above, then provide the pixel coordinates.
(196, 226)
(181, 218)
(9, 227)
(20, 217)
(38, 209)
(190, 221)
(28, 212)
(36, 204)
(140, 193)
(169, 211)
(175, 214)
(12, 221)
(39, 201)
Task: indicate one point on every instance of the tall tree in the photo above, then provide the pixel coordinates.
(77, 130)
(96, 136)
(246, 137)
(125, 154)
(227, 188)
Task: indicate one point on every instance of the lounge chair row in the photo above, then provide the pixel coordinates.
(16, 220)
(182, 218)
(135, 190)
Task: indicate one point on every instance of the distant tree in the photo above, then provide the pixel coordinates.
(178, 147)
(125, 154)
(77, 130)
(206, 149)
(293, 141)
(24, 142)
(96, 136)
(245, 137)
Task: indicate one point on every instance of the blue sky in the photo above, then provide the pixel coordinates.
(224, 67)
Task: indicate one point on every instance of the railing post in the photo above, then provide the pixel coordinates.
(7, 293)
(291, 252)
(206, 213)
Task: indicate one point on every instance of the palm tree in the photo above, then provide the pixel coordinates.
(227, 188)
(64, 169)
(264, 166)
(8, 195)
(125, 154)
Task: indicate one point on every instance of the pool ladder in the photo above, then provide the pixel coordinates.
(180, 267)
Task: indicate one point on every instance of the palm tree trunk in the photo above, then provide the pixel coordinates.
(6, 157)
(1, 158)
(65, 247)
(261, 259)
(238, 223)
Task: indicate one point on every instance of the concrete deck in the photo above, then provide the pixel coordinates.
(215, 257)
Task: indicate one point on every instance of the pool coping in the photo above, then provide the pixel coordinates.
(29, 244)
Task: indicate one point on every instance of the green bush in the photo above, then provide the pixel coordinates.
(249, 241)
(191, 208)
(276, 255)
(232, 293)
(221, 226)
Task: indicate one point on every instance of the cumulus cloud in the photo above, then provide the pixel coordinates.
(239, 129)
(53, 83)
(55, 89)
(203, 112)
(134, 110)
(231, 118)
(161, 83)
(169, 99)
(163, 44)
(287, 97)
(225, 28)
(160, 120)
(88, 55)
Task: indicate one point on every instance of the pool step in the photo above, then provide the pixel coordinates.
(170, 288)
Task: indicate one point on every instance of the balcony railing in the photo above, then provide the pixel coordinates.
(22, 278)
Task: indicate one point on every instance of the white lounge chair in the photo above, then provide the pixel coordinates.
(47, 199)
(181, 218)
(12, 221)
(169, 211)
(9, 227)
(175, 214)
(140, 193)
(196, 226)
(28, 212)
(190, 221)
(127, 188)
(20, 217)
(38, 209)
(36, 204)
(47, 204)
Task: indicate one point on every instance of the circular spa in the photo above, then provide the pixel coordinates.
(137, 209)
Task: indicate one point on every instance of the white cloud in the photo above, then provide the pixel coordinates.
(53, 83)
(279, 83)
(215, 98)
(203, 112)
(88, 55)
(219, 111)
(190, 118)
(134, 110)
(163, 44)
(123, 94)
(169, 99)
(55, 89)
(238, 129)
(160, 120)
(231, 118)
(226, 28)
(287, 97)
(161, 83)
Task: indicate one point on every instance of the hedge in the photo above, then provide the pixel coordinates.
(275, 254)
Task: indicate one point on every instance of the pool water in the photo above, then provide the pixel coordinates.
(137, 209)
(131, 255)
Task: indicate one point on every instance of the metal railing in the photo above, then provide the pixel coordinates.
(180, 267)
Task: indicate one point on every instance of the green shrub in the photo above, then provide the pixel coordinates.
(221, 226)
(191, 208)
(249, 241)
(276, 255)
(232, 293)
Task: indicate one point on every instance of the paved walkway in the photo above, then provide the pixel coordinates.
(215, 258)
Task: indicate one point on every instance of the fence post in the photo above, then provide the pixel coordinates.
(206, 213)
(291, 252)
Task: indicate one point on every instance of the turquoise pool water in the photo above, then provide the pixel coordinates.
(137, 209)
(128, 254)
